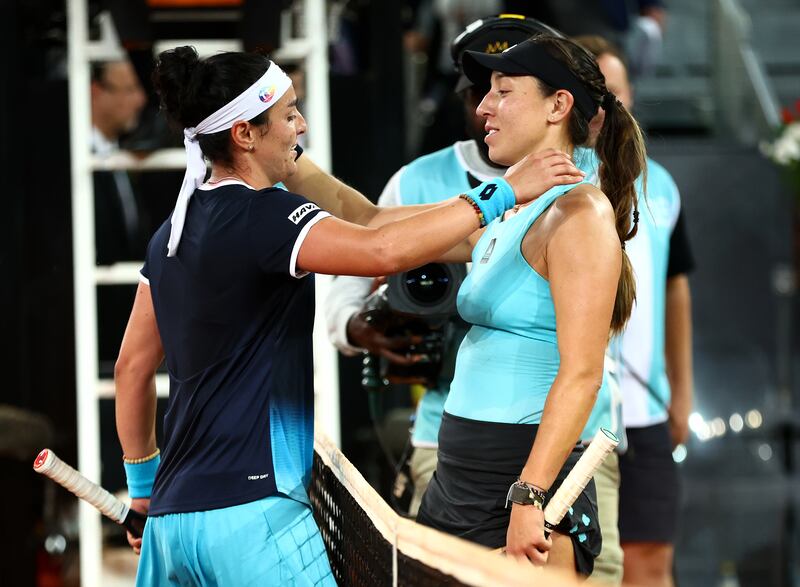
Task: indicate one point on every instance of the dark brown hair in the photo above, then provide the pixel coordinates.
(190, 89)
(620, 148)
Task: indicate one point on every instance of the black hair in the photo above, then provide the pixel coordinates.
(190, 89)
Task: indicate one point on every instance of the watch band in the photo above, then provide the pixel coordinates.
(523, 493)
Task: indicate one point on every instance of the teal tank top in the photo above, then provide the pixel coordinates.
(509, 358)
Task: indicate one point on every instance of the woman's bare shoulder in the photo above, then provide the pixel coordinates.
(585, 199)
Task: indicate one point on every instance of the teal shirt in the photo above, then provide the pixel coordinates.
(427, 180)
(640, 350)
(509, 359)
(433, 178)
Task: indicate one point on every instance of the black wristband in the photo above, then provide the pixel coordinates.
(523, 493)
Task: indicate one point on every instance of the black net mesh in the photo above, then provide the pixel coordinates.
(358, 553)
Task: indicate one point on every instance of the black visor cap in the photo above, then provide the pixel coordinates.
(528, 58)
(478, 67)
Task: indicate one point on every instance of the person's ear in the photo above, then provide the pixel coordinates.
(243, 135)
(562, 103)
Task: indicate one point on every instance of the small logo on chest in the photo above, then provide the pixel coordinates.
(257, 477)
(489, 250)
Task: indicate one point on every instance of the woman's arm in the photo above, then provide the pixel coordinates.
(339, 248)
(330, 194)
(134, 377)
(679, 355)
(423, 234)
(583, 259)
(531, 177)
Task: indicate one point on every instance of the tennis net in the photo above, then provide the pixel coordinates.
(369, 545)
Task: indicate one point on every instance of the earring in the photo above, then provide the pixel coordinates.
(252, 148)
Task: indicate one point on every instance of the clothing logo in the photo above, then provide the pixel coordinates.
(496, 47)
(301, 212)
(257, 477)
(266, 94)
(488, 191)
(489, 250)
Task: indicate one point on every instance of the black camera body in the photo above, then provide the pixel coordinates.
(419, 303)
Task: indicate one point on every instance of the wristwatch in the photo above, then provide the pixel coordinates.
(522, 493)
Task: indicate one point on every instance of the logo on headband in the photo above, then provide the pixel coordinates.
(266, 94)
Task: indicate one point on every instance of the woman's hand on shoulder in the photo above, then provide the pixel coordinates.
(538, 172)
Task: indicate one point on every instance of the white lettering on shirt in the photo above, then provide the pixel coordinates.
(302, 212)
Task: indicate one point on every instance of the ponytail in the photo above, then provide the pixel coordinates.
(620, 148)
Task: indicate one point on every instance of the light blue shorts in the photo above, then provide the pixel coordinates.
(272, 541)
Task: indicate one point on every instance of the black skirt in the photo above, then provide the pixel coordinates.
(478, 462)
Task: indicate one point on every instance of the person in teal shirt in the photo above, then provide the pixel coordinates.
(652, 363)
(549, 283)
(454, 169)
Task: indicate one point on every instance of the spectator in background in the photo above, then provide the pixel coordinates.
(436, 23)
(637, 26)
(117, 100)
(654, 360)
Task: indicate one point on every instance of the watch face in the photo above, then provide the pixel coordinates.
(525, 496)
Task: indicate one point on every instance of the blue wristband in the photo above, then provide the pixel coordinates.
(493, 198)
(141, 477)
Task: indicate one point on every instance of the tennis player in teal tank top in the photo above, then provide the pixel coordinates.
(511, 348)
(550, 282)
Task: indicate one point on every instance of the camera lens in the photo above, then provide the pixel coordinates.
(428, 284)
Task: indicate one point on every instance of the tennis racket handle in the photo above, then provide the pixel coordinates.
(602, 444)
(48, 464)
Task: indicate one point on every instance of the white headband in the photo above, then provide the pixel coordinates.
(263, 94)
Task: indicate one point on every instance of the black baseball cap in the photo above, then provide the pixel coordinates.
(529, 58)
(494, 34)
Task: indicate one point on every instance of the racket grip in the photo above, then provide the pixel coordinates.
(603, 443)
(47, 463)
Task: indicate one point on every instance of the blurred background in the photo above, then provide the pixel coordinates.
(92, 170)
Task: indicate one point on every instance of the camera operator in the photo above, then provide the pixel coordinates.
(457, 168)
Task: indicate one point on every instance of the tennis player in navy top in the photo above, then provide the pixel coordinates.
(225, 297)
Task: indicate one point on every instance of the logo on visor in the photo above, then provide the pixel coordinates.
(266, 94)
(496, 47)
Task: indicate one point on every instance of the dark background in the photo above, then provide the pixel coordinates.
(739, 509)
